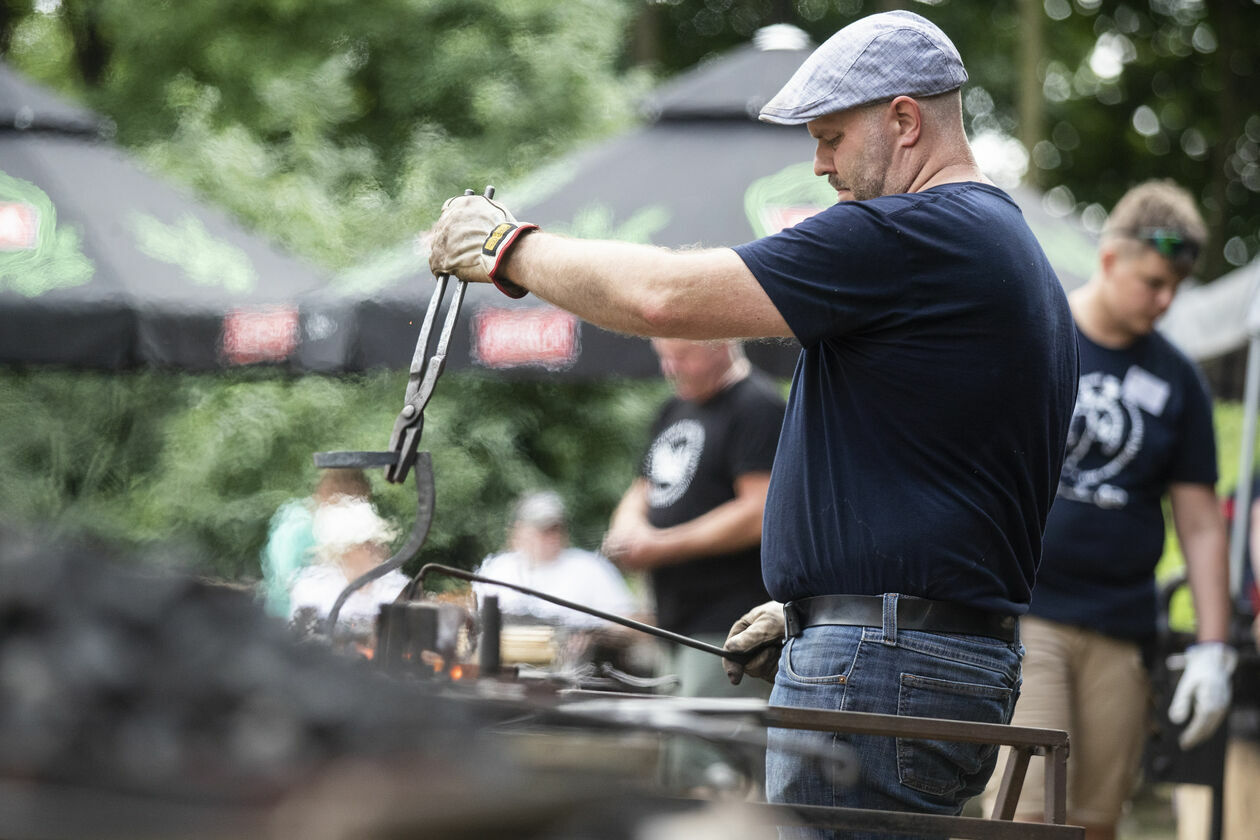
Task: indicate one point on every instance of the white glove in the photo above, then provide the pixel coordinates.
(760, 626)
(471, 238)
(1205, 685)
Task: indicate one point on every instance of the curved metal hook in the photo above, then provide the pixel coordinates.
(425, 499)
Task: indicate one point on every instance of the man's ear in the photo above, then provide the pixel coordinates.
(1108, 254)
(909, 120)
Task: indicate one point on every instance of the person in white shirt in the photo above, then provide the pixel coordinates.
(539, 557)
(350, 540)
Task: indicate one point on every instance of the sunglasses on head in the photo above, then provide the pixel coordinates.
(1169, 243)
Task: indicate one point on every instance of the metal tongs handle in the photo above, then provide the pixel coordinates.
(424, 372)
(740, 656)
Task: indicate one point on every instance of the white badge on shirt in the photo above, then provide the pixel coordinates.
(1145, 390)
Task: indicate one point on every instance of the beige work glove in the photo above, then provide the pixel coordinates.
(762, 626)
(471, 239)
(1205, 685)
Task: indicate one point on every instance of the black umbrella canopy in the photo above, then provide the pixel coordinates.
(28, 107)
(103, 265)
(703, 173)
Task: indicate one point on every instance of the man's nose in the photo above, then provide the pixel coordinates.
(822, 163)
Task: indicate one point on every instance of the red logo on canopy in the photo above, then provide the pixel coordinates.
(260, 335)
(542, 335)
(19, 226)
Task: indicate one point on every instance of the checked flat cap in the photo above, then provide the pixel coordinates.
(877, 58)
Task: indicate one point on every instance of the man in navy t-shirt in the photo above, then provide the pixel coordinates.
(1142, 430)
(927, 418)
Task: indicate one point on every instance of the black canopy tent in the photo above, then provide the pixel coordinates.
(103, 265)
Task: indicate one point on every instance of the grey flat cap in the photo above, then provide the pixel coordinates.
(877, 58)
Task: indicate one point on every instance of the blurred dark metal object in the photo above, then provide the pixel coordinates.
(419, 638)
(139, 703)
(688, 715)
(677, 638)
(489, 652)
(354, 460)
(404, 632)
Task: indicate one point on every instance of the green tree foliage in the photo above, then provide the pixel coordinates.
(1159, 89)
(338, 127)
(200, 463)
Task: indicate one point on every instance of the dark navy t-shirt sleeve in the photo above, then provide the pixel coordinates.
(835, 273)
(1195, 459)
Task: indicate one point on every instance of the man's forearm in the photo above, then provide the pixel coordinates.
(1207, 570)
(645, 290)
(731, 526)
(631, 511)
(1201, 529)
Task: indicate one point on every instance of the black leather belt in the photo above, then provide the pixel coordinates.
(912, 614)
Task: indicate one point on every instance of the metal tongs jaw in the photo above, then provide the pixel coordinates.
(425, 369)
(404, 441)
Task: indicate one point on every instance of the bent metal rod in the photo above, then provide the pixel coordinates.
(740, 656)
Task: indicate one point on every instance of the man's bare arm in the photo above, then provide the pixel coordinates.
(731, 526)
(645, 290)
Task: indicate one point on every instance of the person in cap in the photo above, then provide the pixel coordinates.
(290, 545)
(351, 539)
(1141, 432)
(927, 416)
(539, 557)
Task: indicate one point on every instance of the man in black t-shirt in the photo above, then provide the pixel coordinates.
(692, 517)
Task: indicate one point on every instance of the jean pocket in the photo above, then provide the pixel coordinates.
(948, 768)
(821, 658)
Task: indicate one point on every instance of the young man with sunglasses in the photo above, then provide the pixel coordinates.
(1142, 430)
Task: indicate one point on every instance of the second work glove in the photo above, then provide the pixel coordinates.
(1205, 685)
(760, 627)
(471, 239)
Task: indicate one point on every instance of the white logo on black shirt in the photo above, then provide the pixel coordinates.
(672, 460)
(1106, 434)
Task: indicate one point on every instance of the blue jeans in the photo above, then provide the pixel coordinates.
(890, 671)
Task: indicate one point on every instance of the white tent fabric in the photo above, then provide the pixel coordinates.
(1211, 320)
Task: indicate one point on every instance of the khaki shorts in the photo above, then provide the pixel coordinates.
(1096, 688)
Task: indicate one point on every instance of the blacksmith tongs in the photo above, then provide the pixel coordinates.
(404, 441)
